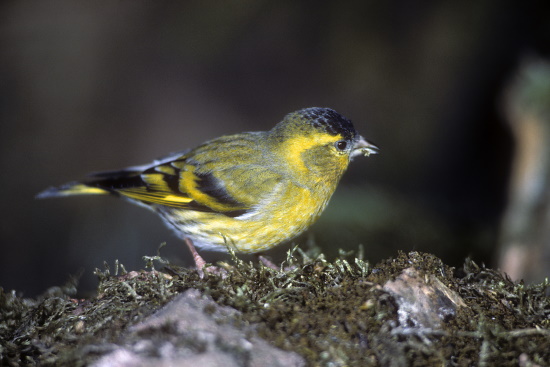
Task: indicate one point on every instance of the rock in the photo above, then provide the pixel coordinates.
(423, 301)
(192, 330)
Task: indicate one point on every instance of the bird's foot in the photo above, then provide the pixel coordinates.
(200, 264)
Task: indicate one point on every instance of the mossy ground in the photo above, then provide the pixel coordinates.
(330, 312)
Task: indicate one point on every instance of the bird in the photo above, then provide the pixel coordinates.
(249, 191)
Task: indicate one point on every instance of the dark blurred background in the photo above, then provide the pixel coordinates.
(90, 86)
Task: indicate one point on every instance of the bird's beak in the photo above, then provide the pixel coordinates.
(362, 146)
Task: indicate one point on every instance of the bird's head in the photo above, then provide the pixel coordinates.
(319, 141)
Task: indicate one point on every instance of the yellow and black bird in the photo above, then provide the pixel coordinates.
(250, 191)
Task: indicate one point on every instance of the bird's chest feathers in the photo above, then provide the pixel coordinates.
(294, 205)
(312, 171)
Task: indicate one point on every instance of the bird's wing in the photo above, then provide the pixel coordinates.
(178, 184)
(230, 175)
(228, 185)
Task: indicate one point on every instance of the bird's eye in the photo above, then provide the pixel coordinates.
(341, 145)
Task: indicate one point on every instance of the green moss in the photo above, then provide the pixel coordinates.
(327, 311)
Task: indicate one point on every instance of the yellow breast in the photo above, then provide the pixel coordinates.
(286, 213)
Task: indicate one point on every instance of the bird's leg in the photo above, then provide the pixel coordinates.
(199, 261)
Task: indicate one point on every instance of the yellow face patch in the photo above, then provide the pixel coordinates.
(293, 148)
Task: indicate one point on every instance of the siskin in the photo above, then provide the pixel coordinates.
(250, 191)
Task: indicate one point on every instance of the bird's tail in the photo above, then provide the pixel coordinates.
(101, 183)
(71, 188)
